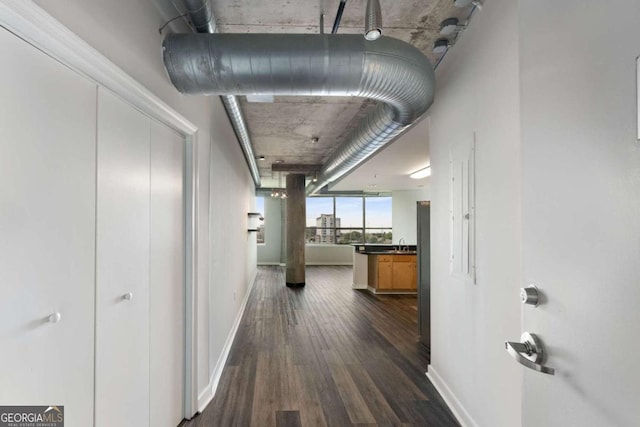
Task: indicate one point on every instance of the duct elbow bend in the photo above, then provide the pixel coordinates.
(386, 70)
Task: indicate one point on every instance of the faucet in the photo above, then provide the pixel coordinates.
(400, 243)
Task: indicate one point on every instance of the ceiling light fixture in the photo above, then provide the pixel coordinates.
(279, 193)
(314, 139)
(279, 161)
(260, 158)
(441, 46)
(373, 21)
(450, 26)
(465, 3)
(422, 173)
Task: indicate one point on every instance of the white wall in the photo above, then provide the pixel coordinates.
(269, 252)
(126, 32)
(329, 255)
(478, 91)
(404, 213)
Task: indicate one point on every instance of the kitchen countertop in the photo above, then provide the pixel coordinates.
(383, 249)
(390, 252)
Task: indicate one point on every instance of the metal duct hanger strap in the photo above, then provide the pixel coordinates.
(387, 70)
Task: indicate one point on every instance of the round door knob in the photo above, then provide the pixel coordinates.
(54, 318)
(128, 296)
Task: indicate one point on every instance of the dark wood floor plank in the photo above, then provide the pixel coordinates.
(325, 355)
(311, 413)
(354, 403)
(378, 405)
(288, 419)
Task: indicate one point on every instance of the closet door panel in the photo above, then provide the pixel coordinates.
(167, 277)
(122, 265)
(47, 235)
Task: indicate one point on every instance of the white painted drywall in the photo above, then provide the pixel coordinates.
(269, 252)
(127, 33)
(329, 255)
(478, 91)
(404, 213)
(581, 206)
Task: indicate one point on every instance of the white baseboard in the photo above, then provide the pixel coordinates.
(205, 397)
(330, 263)
(451, 400)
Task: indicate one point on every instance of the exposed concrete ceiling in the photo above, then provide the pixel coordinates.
(283, 130)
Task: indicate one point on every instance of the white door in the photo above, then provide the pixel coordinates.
(122, 265)
(47, 239)
(166, 285)
(581, 210)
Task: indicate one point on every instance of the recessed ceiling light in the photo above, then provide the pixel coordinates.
(422, 173)
(314, 140)
(372, 185)
(279, 161)
(260, 157)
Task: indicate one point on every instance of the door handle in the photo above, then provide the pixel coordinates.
(529, 353)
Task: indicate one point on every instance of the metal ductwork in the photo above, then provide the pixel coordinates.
(201, 17)
(387, 70)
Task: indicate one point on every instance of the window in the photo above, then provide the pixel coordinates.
(320, 220)
(347, 220)
(378, 220)
(260, 208)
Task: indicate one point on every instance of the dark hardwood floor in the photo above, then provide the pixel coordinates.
(325, 355)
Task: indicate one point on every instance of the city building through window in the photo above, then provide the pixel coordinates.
(346, 220)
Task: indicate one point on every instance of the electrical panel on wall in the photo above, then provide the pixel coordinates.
(462, 211)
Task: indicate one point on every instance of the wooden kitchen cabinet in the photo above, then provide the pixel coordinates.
(385, 275)
(404, 273)
(390, 273)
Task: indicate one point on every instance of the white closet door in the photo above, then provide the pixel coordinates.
(167, 277)
(47, 216)
(122, 265)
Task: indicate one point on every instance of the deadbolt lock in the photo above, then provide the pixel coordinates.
(529, 295)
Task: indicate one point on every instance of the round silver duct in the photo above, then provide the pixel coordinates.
(387, 70)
